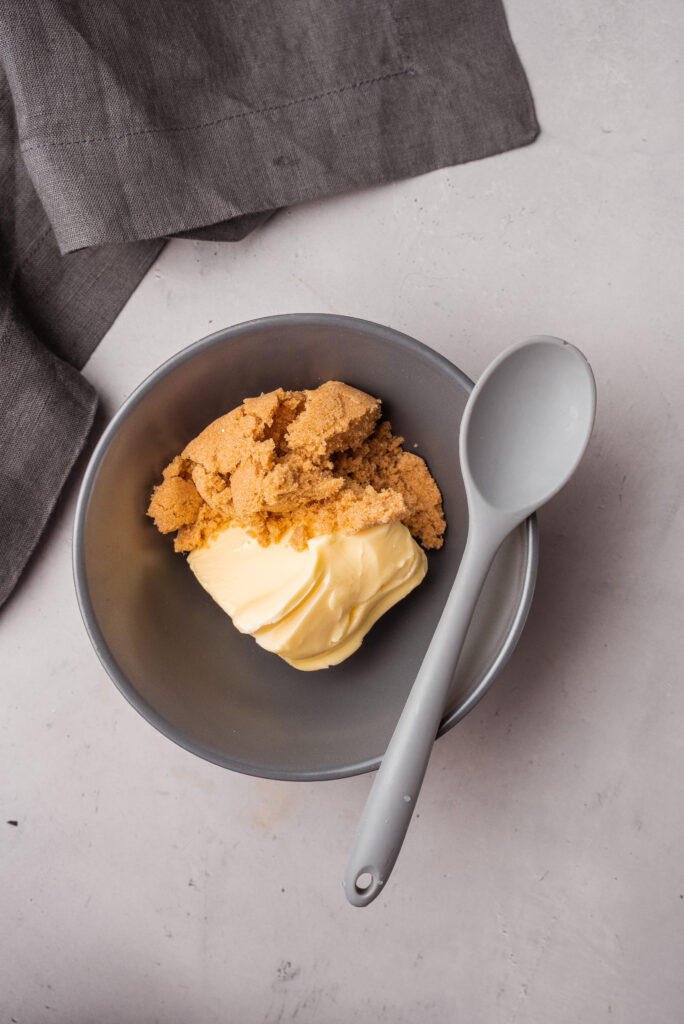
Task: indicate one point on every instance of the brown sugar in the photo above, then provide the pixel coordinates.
(334, 418)
(301, 463)
(175, 504)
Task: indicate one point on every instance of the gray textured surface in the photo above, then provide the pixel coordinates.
(543, 880)
(256, 106)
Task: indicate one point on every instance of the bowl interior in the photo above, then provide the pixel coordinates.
(177, 657)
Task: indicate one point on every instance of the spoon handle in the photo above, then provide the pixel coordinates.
(391, 801)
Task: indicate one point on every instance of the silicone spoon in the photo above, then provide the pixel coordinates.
(524, 430)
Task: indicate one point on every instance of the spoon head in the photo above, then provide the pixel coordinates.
(527, 425)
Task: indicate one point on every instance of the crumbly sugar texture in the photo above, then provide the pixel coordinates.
(301, 464)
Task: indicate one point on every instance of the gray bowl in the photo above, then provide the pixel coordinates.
(177, 657)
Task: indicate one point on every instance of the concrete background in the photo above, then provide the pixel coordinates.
(543, 880)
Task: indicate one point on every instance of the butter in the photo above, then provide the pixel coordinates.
(311, 607)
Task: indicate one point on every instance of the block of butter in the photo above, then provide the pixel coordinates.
(314, 606)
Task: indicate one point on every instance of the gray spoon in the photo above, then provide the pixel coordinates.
(524, 430)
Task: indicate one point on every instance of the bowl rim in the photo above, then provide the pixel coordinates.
(108, 661)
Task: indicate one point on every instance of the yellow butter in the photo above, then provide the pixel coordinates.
(311, 607)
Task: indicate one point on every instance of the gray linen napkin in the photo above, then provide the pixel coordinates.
(124, 123)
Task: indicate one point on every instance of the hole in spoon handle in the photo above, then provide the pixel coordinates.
(363, 889)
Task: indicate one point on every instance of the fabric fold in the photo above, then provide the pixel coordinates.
(45, 416)
(137, 121)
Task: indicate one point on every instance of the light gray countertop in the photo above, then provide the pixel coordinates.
(542, 879)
